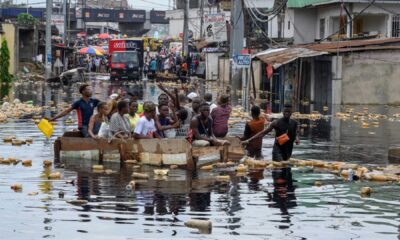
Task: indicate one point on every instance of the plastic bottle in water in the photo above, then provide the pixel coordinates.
(351, 173)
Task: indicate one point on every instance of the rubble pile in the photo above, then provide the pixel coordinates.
(17, 110)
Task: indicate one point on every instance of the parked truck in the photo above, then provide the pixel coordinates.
(126, 59)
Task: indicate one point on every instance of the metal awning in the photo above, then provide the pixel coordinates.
(281, 56)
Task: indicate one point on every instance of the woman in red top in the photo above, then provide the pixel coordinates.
(220, 116)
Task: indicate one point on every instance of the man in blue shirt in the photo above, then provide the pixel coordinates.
(153, 67)
(84, 108)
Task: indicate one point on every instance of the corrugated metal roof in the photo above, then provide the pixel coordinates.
(280, 56)
(351, 44)
(361, 49)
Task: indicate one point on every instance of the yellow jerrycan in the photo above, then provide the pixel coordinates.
(45, 127)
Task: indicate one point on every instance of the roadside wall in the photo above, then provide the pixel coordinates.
(371, 77)
(9, 35)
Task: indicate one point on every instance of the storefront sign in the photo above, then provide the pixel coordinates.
(242, 60)
(136, 16)
(215, 27)
(98, 15)
(158, 17)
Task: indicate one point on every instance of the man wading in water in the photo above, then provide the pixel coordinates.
(286, 133)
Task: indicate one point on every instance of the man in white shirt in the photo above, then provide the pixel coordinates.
(145, 127)
(208, 99)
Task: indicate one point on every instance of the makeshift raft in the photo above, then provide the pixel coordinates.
(156, 152)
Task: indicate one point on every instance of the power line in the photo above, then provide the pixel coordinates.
(274, 13)
(256, 9)
(262, 31)
(155, 3)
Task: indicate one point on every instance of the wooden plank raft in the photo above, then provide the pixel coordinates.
(156, 152)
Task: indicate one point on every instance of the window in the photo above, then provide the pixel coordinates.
(288, 25)
(343, 25)
(322, 28)
(396, 26)
(358, 26)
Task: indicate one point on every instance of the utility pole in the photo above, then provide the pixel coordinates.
(201, 18)
(49, 9)
(65, 21)
(185, 47)
(236, 42)
(69, 21)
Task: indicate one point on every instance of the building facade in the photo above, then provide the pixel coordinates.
(308, 21)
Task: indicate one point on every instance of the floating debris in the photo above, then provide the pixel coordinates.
(98, 167)
(61, 194)
(16, 187)
(131, 185)
(161, 172)
(56, 175)
(241, 168)
(366, 191)
(47, 163)
(223, 178)
(131, 161)
(27, 163)
(109, 171)
(207, 167)
(174, 166)
(78, 202)
(140, 175)
(204, 226)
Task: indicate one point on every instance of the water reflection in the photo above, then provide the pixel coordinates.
(283, 196)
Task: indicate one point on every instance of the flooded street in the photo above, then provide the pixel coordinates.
(274, 204)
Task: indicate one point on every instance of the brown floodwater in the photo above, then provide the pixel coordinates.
(281, 204)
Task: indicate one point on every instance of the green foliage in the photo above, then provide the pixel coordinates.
(26, 18)
(5, 76)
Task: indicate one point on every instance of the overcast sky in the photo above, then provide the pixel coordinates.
(138, 4)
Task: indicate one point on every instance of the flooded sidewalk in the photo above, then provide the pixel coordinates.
(284, 203)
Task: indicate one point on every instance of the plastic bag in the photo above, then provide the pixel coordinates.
(104, 130)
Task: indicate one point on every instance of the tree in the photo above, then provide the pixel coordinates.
(27, 19)
(5, 76)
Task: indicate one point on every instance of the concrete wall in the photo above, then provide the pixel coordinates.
(304, 24)
(9, 35)
(212, 65)
(289, 24)
(371, 77)
(224, 71)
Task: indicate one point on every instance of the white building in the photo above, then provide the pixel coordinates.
(310, 20)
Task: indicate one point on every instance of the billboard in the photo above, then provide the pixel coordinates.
(158, 17)
(98, 15)
(136, 16)
(215, 27)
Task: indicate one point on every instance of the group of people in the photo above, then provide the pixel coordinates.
(171, 63)
(177, 115)
(97, 64)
